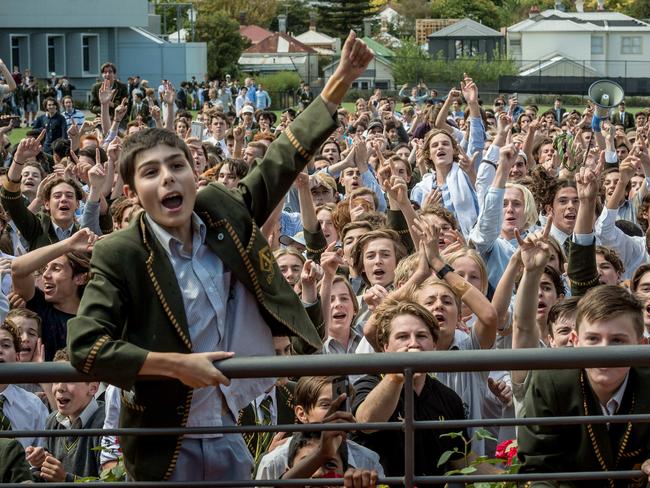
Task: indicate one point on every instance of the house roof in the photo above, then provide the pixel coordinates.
(280, 43)
(465, 28)
(377, 48)
(555, 59)
(254, 33)
(314, 37)
(556, 21)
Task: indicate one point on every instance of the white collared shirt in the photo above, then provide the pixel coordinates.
(614, 403)
(85, 415)
(25, 411)
(62, 233)
(222, 315)
(273, 408)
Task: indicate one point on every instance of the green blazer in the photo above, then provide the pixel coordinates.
(133, 305)
(552, 449)
(284, 401)
(37, 229)
(13, 466)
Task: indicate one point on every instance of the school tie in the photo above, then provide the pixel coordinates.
(5, 423)
(265, 407)
(264, 438)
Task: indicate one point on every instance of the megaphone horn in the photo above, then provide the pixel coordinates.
(606, 95)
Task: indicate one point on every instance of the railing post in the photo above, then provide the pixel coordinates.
(409, 437)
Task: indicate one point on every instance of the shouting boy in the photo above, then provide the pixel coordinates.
(192, 278)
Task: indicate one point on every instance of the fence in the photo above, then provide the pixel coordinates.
(440, 361)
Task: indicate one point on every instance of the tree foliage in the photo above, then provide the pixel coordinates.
(338, 17)
(483, 11)
(298, 13)
(411, 65)
(225, 44)
(258, 12)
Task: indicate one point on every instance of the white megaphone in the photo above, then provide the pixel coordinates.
(606, 95)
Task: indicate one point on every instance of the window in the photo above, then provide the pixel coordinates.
(85, 53)
(89, 54)
(55, 53)
(15, 51)
(466, 47)
(597, 45)
(51, 55)
(631, 45)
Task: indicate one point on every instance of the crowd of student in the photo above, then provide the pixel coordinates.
(419, 224)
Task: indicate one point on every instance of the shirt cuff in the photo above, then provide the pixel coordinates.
(584, 239)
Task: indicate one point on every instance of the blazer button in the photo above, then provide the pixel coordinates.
(180, 410)
(220, 236)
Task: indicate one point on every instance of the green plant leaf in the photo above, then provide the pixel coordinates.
(444, 457)
(468, 470)
(452, 435)
(482, 434)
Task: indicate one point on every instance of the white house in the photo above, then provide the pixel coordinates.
(581, 44)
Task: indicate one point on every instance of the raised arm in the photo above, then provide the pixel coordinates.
(23, 267)
(441, 118)
(268, 183)
(535, 253)
(12, 200)
(6, 74)
(476, 301)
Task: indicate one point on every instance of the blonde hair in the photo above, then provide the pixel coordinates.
(530, 206)
(476, 257)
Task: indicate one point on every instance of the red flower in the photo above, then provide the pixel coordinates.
(507, 451)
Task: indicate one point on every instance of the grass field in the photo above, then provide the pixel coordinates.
(17, 134)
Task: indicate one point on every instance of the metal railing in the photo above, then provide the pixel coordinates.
(408, 364)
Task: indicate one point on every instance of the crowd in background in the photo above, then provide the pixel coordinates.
(489, 223)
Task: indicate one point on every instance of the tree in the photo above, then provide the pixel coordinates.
(338, 17)
(225, 44)
(298, 13)
(411, 65)
(258, 12)
(483, 11)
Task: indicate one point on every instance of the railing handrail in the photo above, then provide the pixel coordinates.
(345, 364)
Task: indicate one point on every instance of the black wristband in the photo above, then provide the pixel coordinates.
(443, 271)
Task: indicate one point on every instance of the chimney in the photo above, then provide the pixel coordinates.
(601, 5)
(312, 22)
(534, 10)
(282, 23)
(367, 27)
(384, 25)
(580, 6)
(242, 17)
(559, 5)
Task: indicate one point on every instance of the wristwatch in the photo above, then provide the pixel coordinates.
(443, 271)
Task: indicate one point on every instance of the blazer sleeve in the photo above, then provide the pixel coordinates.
(27, 223)
(540, 447)
(582, 271)
(13, 466)
(264, 187)
(95, 335)
(315, 313)
(397, 222)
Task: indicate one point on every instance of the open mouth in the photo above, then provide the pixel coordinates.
(339, 315)
(64, 208)
(172, 202)
(378, 273)
(570, 217)
(62, 402)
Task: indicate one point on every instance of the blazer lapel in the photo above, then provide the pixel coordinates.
(285, 404)
(599, 435)
(162, 276)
